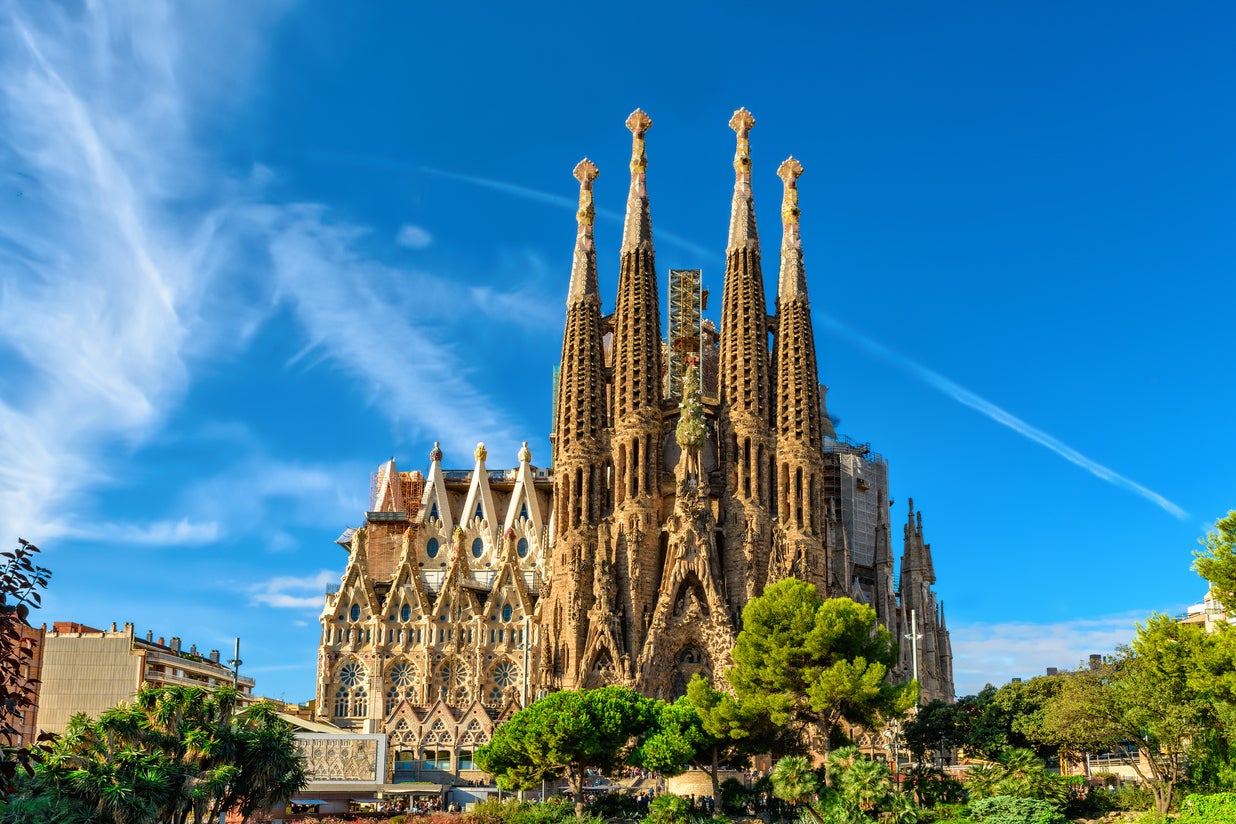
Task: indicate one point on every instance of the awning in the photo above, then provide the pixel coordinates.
(304, 801)
(412, 788)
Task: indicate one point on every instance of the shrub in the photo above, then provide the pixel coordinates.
(668, 809)
(1006, 809)
(1132, 797)
(554, 811)
(734, 796)
(612, 805)
(1219, 808)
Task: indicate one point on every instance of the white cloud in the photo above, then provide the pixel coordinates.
(128, 256)
(414, 237)
(290, 592)
(161, 533)
(995, 653)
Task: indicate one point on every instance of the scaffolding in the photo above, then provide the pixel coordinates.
(686, 303)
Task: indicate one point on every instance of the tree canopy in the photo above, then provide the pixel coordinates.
(566, 734)
(174, 753)
(1217, 562)
(803, 659)
(1154, 704)
(20, 581)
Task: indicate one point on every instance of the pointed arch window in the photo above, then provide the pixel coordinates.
(480, 512)
(402, 680)
(352, 698)
(433, 511)
(523, 511)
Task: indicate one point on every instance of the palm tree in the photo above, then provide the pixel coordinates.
(794, 781)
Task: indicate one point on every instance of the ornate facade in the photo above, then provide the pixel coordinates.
(668, 507)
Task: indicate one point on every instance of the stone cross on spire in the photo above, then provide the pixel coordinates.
(637, 228)
(741, 123)
(793, 281)
(743, 233)
(638, 123)
(584, 264)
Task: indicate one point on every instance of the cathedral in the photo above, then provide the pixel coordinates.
(688, 472)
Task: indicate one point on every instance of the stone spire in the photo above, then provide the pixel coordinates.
(637, 230)
(745, 436)
(798, 382)
(800, 496)
(578, 454)
(743, 233)
(637, 316)
(635, 437)
(580, 415)
(584, 264)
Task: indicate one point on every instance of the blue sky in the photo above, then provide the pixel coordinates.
(249, 251)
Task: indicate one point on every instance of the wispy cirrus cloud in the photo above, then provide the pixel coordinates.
(128, 256)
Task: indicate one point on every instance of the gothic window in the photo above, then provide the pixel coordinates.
(480, 513)
(402, 680)
(452, 684)
(433, 511)
(506, 612)
(478, 548)
(431, 548)
(522, 547)
(354, 613)
(352, 699)
(405, 613)
(523, 511)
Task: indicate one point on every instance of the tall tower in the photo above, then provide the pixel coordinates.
(579, 454)
(746, 443)
(799, 545)
(635, 439)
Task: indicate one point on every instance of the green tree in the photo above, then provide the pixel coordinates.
(706, 729)
(805, 660)
(1145, 705)
(174, 753)
(566, 734)
(1217, 562)
(935, 721)
(20, 581)
(794, 782)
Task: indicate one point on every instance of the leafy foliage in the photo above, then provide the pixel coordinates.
(20, 581)
(932, 787)
(1217, 562)
(668, 809)
(553, 811)
(1219, 808)
(174, 753)
(1152, 705)
(1005, 809)
(801, 659)
(566, 734)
